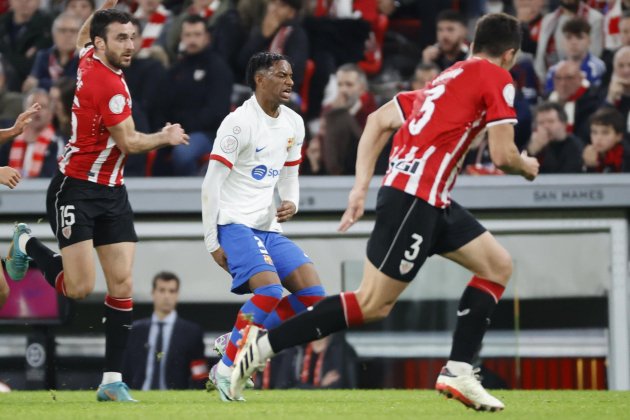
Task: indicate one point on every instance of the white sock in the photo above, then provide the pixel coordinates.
(110, 377)
(22, 240)
(223, 369)
(264, 347)
(459, 368)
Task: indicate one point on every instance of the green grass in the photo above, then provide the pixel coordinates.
(321, 405)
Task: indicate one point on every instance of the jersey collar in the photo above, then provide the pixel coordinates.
(118, 72)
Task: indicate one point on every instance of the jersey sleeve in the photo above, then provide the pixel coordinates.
(295, 149)
(112, 100)
(232, 137)
(405, 101)
(498, 94)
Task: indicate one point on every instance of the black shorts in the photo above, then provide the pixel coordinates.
(80, 210)
(408, 230)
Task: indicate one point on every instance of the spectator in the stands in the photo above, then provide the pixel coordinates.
(576, 42)
(155, 20)
(60, 60)
(609, 150)
(451, 41)
(529, 13)
(34, 153)
(577, 97)
(345, 119)
(423, 74)
(557, 150)
(618, 92)
(10, 102)
(280, 32)
(61, 99)
(24, 30)
(81, 8)
(550, 48)
(199, 91)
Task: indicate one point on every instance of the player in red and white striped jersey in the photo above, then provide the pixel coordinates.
(87, 201)
(416, 218)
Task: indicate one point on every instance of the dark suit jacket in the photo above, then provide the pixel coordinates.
(185, 349)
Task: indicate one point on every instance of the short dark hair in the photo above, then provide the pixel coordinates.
(263, 60)
(102, 18)
(609, 117)
(194, 19)
(294, 4)
(166, 276)
(449, 15)
(496, 33)
(136, 22)
(576, 26)
(552, 106)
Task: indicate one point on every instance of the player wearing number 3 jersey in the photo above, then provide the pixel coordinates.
(87, 202)
(416, 218)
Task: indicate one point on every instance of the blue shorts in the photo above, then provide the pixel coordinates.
(251, 251)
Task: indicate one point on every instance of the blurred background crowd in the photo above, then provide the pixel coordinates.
(348, 57)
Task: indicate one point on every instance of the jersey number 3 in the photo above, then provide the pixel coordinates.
(427, 109)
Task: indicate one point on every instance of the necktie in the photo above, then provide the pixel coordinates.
(157, 357)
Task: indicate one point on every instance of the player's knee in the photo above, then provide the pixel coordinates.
(79, 291)
(373, 308)
(503, 267)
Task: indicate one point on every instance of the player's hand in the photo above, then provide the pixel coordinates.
(175, 134)
(109, 4)
(531, 166)
(25, 118)
(9, 177)
(590, 156)
(220, 258)
(286, 211)
(356, 207)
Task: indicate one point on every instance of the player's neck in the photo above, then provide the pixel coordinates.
(103, 59)
(270, 108)
(493, 60)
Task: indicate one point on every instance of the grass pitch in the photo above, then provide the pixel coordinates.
(321, 405)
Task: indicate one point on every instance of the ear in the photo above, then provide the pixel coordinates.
(509, 57)
(99, 43)
(259, 77)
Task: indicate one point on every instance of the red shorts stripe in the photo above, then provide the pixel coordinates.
(222, 160)
(351, 309)
(121, 304)
(493, 289)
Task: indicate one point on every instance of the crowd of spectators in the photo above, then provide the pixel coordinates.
(348, 57)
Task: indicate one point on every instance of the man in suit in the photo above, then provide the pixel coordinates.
(165, 351)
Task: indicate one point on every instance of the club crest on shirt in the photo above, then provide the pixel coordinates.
(229, 144)
(66, 232)
(268, 259)
(508, 94)
(290, 142)
(117, 103)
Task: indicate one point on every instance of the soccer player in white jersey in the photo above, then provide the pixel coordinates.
(258, 146)
(86, 202)
(415, 216)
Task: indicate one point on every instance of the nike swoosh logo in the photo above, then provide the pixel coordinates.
(261, 149)
(464, 312)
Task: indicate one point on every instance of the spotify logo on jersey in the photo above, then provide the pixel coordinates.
(259, 172)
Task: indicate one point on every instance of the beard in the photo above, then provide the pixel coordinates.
(116, 60)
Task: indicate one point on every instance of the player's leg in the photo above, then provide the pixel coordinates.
(298, 276)
(117, 262)
(492, 268)
(4, 289)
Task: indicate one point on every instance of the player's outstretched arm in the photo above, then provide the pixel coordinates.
(210, 195)
(84, 32)
(380, 126)
(504, 153)
(22, 121)
(129, 141)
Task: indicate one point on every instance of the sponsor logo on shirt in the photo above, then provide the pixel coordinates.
(261, 171)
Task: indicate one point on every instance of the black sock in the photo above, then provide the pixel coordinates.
(473, 318)
(326, 317)
(117, 327)
(48, 262)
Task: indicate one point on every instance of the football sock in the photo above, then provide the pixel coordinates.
(111, 377)
(473, 317)
(335, 313)
(47, 261)
(294, 304)
(254, 311)
(117, 319)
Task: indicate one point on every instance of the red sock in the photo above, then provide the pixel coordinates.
(59, 284)
(351, 309)
(493, 289)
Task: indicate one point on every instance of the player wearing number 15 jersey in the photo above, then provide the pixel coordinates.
(87, 202)
(415, 216)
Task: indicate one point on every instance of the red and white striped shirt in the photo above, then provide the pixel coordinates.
(440, 123)
(101, 100)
